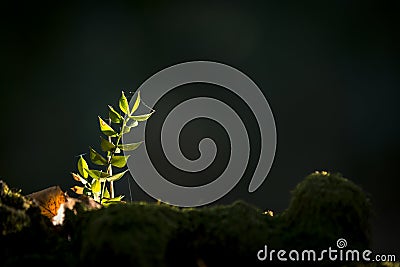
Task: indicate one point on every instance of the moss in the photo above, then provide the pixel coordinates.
(26, 236)
(13, 207)
(221, 236)
(325, 207)
(135, 233)
(143, 234)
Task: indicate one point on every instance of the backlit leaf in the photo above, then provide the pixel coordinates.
(129, 147)
(114, 115)
(96, 186)
(49, 200)
(106, 145)
(82, 166)
(98, 175)
(116, 177)
(119, 161)
(96, 158)
(106, 129)
(115, 200)
(106, 193)
(123, 104)
(141, 117)
(136, 105)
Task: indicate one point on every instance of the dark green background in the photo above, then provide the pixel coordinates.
(329, 71)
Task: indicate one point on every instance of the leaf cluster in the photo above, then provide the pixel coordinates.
(98, 183)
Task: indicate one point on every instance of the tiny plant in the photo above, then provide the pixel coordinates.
(99, 184)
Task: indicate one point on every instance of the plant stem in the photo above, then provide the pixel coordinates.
(111, 154)
(109, 169)
(103, 186)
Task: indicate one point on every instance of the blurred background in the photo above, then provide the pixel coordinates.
(330, 72)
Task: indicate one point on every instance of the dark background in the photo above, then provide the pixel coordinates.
(329, 71)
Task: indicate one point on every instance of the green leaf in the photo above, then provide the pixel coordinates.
(82, 165)
(115, 200)
(136, 105)
(106, 193)
(129, 147)
(116, 177)
(79, 178)
(98, 175)
(119, 161)
(123, 104)
(106, 129)
(114, 115)
(106, 145)
(141, 117)
(95, 195)
(96, 186)
(96, 158)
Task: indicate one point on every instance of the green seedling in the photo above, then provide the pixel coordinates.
(99, 184)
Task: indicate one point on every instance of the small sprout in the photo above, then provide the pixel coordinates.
(98, 184)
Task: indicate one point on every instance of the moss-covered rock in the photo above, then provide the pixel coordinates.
(13, 207)
(26, 237)
(324, 207)
(135, 233)
(221, 236)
